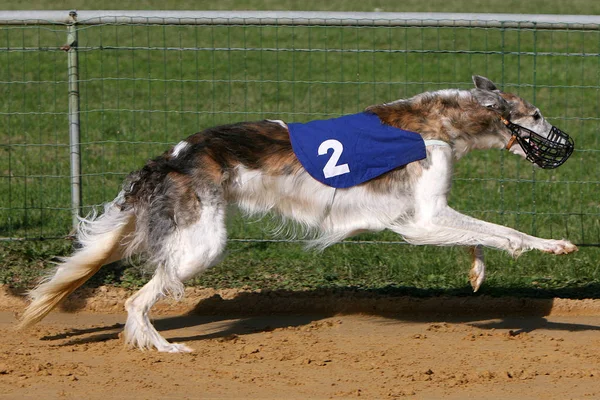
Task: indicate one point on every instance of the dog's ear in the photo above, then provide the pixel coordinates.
(484, 83)
(492, 101)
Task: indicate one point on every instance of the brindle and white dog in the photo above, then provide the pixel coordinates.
(173, 210)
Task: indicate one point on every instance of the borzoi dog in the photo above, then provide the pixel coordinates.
(173, 210)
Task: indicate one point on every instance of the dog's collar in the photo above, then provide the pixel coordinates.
(434, 142)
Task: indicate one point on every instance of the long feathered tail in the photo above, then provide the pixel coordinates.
(100, 239)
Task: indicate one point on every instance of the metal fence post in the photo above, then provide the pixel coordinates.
(74, 133)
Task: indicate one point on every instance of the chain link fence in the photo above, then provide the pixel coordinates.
(88, 98)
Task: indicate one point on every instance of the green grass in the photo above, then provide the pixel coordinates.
(393, 269)
(144, 88)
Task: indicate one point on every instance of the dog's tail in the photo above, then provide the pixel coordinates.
(101, 240)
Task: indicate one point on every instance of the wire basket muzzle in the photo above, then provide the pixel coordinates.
(547, 152)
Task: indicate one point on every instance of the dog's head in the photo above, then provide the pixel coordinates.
(539, 141)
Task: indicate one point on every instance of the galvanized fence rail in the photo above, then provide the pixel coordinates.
(127, 84)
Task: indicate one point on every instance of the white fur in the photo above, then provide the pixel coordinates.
(331, 214)
(278, 121)
(179, 147)
(433, 142)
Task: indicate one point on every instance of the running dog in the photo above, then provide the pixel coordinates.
(173, 210)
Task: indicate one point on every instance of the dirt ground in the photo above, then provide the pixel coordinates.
(276, 345)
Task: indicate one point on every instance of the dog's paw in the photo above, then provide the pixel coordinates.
(477, 272)
(477, 276)
(559, 247)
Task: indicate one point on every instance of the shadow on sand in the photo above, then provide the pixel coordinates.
(519, 310)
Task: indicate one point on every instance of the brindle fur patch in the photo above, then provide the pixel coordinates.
(213, 154)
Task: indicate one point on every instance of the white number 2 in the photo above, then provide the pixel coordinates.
(331, 168)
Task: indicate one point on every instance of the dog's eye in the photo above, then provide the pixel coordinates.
(537, 116)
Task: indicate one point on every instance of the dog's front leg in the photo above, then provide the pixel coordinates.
(448, 227)
(511, 240)
(477, 272)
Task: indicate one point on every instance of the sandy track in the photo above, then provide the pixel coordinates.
(525, 349)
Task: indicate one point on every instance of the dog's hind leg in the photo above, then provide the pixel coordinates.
(139, 331)
(477, 272)
(190, 248)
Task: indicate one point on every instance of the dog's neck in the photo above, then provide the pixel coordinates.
(453, 116)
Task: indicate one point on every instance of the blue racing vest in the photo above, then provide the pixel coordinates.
(349, 150)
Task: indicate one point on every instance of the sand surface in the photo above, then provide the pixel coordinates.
(308, 346)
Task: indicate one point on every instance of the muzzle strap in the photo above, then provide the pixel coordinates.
(511, 141)
(513, 138)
